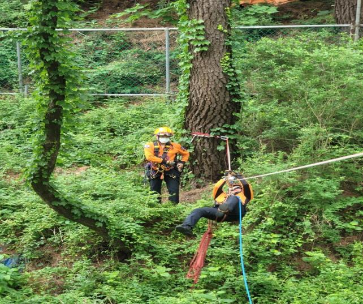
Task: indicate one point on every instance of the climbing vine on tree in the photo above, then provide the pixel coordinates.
(191, 40)
(57, 96)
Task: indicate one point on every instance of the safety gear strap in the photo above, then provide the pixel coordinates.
(160, 167)
(224, 217)
(247, 190)
(157, 149)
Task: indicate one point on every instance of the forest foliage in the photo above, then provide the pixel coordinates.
(302, 233)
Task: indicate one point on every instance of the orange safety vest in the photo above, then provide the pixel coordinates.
(220, 196)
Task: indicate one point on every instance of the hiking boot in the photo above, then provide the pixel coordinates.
(184, 229)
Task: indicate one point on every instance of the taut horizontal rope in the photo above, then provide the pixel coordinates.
(309, 166)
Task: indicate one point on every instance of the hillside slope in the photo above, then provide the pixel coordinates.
(302, 235)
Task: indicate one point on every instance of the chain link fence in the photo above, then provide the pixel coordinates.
(126, 62)
(114, 62)
(331, 34)
(255, 33)
(10, 65)
(132, 61)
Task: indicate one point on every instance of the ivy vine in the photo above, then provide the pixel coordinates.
(191, 40)
(57, 96)
(227, 62)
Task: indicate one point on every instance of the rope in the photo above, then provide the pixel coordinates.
(241, 251)
(308, 166)
(274, 173)
(197, 263)
(225, 138)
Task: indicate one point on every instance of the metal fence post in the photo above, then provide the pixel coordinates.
(167, 61)
(357, 20)
(19, 67)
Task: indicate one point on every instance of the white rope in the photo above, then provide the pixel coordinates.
(309, 166)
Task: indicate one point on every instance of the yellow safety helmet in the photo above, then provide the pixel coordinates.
(163, 131)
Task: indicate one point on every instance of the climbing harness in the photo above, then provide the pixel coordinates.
(219, 195)
(152, 171)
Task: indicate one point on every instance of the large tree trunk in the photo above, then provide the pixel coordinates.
(345, 11)
(210, 102)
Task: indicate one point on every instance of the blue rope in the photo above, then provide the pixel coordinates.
(241, 252)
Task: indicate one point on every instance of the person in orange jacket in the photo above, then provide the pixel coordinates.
(163, 163)
(227, 204)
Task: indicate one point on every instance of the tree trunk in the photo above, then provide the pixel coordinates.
(55, 91)
(345, 11)
(211, 104)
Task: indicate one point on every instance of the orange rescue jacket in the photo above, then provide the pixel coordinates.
(174, 150)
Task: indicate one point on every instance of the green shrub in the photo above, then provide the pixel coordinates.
(10, 279)
(298, 83)
(113, 64)
(98, 49)
(254, 15)
(16, 115)
(115, 134)
(132, 74)
(12, 14)
(8, 65)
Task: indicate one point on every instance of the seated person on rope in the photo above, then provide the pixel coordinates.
(163, 163)
(226, 205)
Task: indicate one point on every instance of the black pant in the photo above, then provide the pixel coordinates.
(212, 213)
(172, 180)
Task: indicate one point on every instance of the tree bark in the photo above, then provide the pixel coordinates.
(345, 11)
(210, 102)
